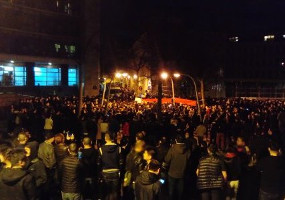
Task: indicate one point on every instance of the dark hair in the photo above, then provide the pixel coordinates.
(154, 165)
(5, 150)
(179, 138)
(49, 135)
(274, 146)
(72, 148)
(109, 136)
(59, 138)
(140, 136)
(151, 151)
(17, 155)
(213, 148)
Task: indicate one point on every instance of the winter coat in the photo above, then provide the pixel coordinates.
(177, 159)
(147, 186)
(38, 171)
(16, 184)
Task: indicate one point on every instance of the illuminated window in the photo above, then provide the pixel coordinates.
(12, 75)
(57, 47)
(72, 77)
(47, 76)
(268, 37)
(233, 39)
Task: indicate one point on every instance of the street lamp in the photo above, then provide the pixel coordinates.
(164, 75)
(118, 75)
(177, 75)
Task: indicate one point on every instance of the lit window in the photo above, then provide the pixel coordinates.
(269, 37)
(46, 76)
(57, 47)
(72, 49)
(72, 77)
(12, 75)
(233, 39)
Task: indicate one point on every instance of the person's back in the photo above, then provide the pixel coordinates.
(147, 186)
(70, 174)
(15, 182)
(46, 152)
(272, 170)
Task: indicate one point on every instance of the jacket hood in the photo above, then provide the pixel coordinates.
(147, 178)
(12, 176)
(180, 148)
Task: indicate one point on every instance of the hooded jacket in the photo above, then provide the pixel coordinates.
(16, 184)
(177, 158)
(110, 157)
(147, 186)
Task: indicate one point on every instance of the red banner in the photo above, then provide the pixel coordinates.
(169, 100)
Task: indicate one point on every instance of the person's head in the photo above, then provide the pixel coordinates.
(22, 138)
(119, 135)
(187, 135)
(139, 136)
(49, 137)
(86, 142)
(154, 167)
(212, 149)
(274, 149)
(18, 158)
(109, 137)
(240, 142)
(59, 138)
(149, 154)
(179, 139)
(139, 146)
(72, 149)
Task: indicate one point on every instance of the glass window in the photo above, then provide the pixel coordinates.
(12, 75)
(72, 77)
(46, 76)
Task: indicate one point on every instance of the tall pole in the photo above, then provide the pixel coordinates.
(104, 92)
(173, 93)
(108, 99)
(196, 93)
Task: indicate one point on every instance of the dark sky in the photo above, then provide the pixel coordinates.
(123, 21)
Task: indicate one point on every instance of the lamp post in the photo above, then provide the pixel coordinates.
(196, 93)
(164, 76)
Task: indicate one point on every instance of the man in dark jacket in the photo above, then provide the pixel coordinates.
(148, 186)
(15, 182)
(177, 160)
(69, 174)
(110, 162)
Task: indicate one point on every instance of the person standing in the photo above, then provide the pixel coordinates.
(272, 170)
(177, 159)
(111, 163)
(148, 186)
(15, 182)
(69, 174)
(211, 175)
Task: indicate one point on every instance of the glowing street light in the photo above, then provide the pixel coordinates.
(12, 61)
(176, 75)
(135, 76)
(125, 74)
(49, 63)
(164, 75)
(118, 75)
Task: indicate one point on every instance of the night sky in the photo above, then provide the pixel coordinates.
(174, 24)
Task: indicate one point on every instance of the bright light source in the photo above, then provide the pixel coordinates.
(129, 76)
(135, 76)
(176, 75)
(104, 78)
(12, 61)
(233, 39)
(125, 74)
(49, 63)
(118, 75)
(268, 37)
(282, 63)
(164, 75)
(10, 69)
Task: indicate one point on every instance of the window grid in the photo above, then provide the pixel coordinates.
(45, 76)
(13, 76)
(72, 77)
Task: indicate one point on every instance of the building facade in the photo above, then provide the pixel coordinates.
(41, 46)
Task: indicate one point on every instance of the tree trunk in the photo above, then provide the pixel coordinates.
(202, 92)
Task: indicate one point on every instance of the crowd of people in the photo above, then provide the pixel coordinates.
(125, 150)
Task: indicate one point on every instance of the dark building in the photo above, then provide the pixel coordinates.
(42, 46)
(255, 65)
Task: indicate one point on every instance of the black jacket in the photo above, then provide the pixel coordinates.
(38, 171)
(134, 164)
(69, 174)
(177, 159)
(16, 184)
(147, 186)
